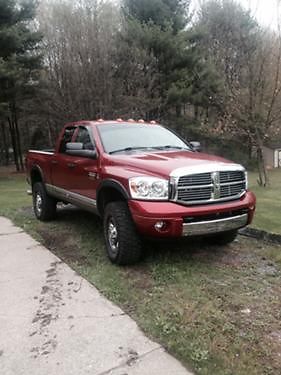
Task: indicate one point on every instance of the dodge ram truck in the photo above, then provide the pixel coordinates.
(143, 180)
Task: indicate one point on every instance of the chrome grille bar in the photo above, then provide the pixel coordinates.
(209, 187)
(196, 179)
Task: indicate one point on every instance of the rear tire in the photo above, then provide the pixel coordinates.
(44, 205)
(122, 241)
(224, 238)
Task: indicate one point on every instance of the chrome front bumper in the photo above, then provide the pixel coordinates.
(214, 226)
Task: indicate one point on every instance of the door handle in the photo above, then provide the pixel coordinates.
(71, 165)
(54, 161)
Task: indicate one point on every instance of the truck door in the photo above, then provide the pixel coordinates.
(86, 169)
(76, 174)
(62, 163)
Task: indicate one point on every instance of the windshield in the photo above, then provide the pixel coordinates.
(138, 137)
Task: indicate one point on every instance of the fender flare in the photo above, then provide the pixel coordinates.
(36, 168)
(113, 184)
(110, 183)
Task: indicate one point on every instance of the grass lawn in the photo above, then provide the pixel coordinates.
(218, 310)
(268, 213)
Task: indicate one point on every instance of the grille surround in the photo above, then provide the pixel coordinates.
(210, 186)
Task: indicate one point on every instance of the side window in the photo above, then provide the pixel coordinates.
(67, 137)
(83, 136)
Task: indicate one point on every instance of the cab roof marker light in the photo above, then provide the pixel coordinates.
(100, 120)
(131, 120)
(141, 121)
(119, 119)
(153, 122)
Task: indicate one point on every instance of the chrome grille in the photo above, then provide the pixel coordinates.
(199, 193)
(231, 176)
(230, 190)
(211, 186)
(195, 179)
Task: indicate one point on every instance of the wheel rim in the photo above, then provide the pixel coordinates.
(38, 203)
(112, 235)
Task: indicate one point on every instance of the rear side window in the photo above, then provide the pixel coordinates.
(67, 137)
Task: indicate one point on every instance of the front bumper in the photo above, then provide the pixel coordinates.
(215, 226)
(185, 221)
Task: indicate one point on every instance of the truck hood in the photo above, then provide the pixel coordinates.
(164, 163)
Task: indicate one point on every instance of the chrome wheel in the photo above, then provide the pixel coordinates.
(123, 245)
(112, 234)
(38, 203)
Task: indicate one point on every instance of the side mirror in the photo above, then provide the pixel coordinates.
(71, 146)
(76, 149)
(196, 146)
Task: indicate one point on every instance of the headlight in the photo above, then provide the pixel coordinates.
(150, 188)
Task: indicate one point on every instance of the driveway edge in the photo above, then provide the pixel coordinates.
(261, 235)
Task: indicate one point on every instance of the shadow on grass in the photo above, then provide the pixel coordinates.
(81, 226)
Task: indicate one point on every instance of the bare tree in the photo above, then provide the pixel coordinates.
(248, 58)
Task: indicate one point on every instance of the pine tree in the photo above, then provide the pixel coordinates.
(162, 29)
(20, 64)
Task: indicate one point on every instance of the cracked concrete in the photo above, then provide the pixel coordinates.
(53, 321)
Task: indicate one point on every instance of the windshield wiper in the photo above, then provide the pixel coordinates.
(128, 149)
(167, 147)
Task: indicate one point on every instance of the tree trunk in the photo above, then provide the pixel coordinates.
(263, 175)
(178, 110)
(14, 143)
(51, 142)
(18, 138)
(5, 144)
(17, 134)
(250, 149)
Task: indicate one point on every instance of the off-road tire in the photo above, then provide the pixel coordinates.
(44, 205)
(224, 238)
(128, 247)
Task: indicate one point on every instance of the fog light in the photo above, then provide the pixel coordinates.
(159, 225)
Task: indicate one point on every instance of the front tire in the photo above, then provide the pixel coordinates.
(44, 205)
(122, 241)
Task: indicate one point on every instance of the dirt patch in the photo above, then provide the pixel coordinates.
(139, 276)
(47, 312)
(274, 341)
(64, 246)
(231, 260)
(237, 254)
(218, 256)
(27, 211)
(9, 171)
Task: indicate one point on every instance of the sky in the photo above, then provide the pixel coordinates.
(265, 11)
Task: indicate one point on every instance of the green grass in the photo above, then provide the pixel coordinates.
(218, 310)
(268, 212)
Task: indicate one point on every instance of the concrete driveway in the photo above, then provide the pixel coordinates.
(52, 321)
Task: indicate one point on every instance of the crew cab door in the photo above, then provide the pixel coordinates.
(61, 164)
(76, 174)
(86, 169)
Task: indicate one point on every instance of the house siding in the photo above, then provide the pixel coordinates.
(277, 158)
(268, 155)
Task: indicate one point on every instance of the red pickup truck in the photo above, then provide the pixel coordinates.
(142, 180)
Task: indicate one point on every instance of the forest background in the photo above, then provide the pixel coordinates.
(212, 74)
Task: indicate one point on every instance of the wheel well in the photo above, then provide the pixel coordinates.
(35, 176)
(107, 195)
